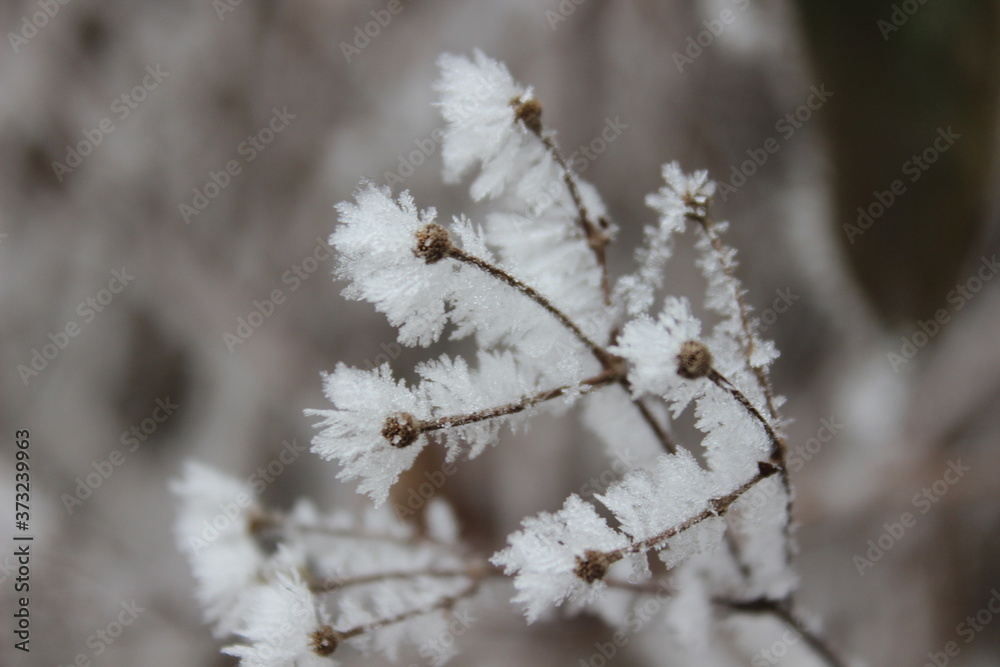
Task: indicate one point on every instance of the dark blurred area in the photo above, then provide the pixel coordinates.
(169, 175)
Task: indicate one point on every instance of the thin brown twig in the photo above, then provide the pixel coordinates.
(716, 507)
(444, 603)
(610, 362)
(699, 213)
(661, 434)
(778, 450)
(597, 240)
(336, 584)
(782, 610)
(723, 383)
(606, 359)
(587, 385)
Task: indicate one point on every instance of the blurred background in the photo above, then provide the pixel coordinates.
(168, 164)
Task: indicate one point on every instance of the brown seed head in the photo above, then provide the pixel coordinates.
(694, 360)
(401, 429)
(433, 243)
(528, 112)
(324, 641)
(594, 565)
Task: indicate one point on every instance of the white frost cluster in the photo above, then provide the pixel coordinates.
(476, 100)
(547, 552)
(211, 530)
(532, 223)
(651, 347)
(365, 401)
(530, 287)
(295, 586)
(282, 625)
(352, 433)
(638, 289)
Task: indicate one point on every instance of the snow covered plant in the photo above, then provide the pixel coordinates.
(554, 332)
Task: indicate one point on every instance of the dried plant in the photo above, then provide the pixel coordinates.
(531, 285)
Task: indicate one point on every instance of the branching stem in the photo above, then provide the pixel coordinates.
(611, 363)
(778, 450)
(782, 610)
(716, 507)
(444, 603)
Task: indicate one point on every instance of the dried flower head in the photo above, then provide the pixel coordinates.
(528, 112)
(400, 429)
(433, 243)
(694, 360)
(325, 641)
(594, 565)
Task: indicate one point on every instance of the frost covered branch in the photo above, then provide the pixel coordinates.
(531, 286)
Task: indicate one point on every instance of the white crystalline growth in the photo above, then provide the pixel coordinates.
(354, 431)
(651, 348)
(211, 530)
(283, 625)
(375, 242)
(545, 554)
(646, 503)
(476, 97)
(672, 202)
(453, 388)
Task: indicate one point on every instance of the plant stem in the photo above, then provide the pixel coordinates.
(781, 609)
(611, 363)
(716, 507)
(778, 450)
(524, 403)
(596, 239)
(336, 584)
(606, 358)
